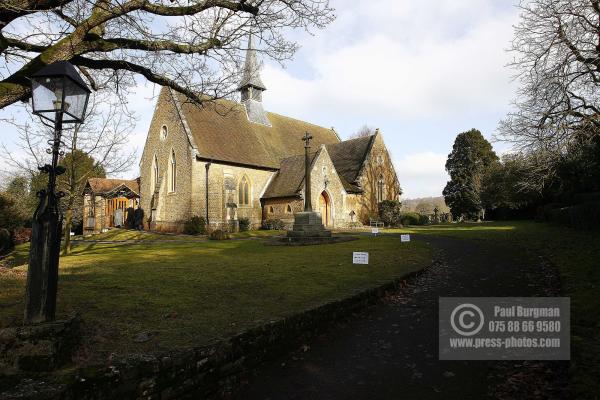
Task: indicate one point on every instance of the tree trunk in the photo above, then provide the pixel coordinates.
(68, 226)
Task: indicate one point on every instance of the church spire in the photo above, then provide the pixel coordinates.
(251, 87)
(251, 75)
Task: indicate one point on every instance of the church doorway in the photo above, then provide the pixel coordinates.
(325, 208)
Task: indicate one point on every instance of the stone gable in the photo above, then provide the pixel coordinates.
(377, 165)
(169, 207)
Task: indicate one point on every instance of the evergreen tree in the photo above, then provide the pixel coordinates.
(79, 166)
(468, 164)
(24, 201)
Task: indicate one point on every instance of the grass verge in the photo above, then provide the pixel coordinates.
(191, 293)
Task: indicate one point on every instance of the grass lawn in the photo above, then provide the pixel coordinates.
(133, 235)
(120, 235)
(190, 293)
(577, 255)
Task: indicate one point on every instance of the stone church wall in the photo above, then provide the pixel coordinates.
(283, 209)
(173, 207)
(189, 198)
(324, 178)
(378, 164)
(223, 185)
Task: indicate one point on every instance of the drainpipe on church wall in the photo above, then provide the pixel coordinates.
(207, 166)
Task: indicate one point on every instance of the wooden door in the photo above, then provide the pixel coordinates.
(324, 208)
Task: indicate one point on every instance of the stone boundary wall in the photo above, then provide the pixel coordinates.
(205, 372)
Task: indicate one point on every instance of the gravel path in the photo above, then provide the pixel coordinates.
(389, 351)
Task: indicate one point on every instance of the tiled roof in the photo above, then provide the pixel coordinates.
(288, 181)
(348, 156)
(222, 132)
(106, 185)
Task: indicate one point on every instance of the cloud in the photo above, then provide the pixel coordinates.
(142, 102)
(422, 174)
(422, 71)
(387, 73)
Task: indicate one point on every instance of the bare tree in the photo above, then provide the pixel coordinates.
(100, 146)
(365, 130)
(191, 46)
(557, 63)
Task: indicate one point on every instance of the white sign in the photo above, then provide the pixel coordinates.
(405, 238)
(375, 230)
(359, 257)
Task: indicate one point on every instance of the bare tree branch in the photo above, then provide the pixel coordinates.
(196, 52)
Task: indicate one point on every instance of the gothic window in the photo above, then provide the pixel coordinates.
(154, 174)
(271, 211)
(288, 209)
(380, 189)
(163, 132)
(379, 160)
(244, 191)
(173, 173)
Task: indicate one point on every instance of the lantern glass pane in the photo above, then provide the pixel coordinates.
(75, 102)
(47, 92)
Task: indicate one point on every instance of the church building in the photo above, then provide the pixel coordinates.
(224, 160)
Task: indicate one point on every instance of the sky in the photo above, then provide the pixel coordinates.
(421, 71)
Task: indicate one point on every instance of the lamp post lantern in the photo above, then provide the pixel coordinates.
(59, 96)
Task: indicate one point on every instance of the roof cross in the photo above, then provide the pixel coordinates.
(307, 137)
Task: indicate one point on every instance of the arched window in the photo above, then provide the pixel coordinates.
(288, 209)
(163, 132)
(244, 191)
(154, 174)
(380, 189)
(271, 211)
(173, 173)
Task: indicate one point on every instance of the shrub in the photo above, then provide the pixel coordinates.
(10, 215)
(389, 212)
(413, 218)
(195, 226)
(273, 224)
(5, 241)
(580, 216)
(21, 235)
(244, 224)
(218, 234)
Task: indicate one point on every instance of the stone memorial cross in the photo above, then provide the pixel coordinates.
(307, 195)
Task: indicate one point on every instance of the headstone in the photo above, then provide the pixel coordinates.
(360, 257)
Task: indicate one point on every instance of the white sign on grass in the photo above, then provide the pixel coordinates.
(359, 257)
(375, 230)
(405, 238)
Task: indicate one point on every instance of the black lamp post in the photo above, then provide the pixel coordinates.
(59, 96)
